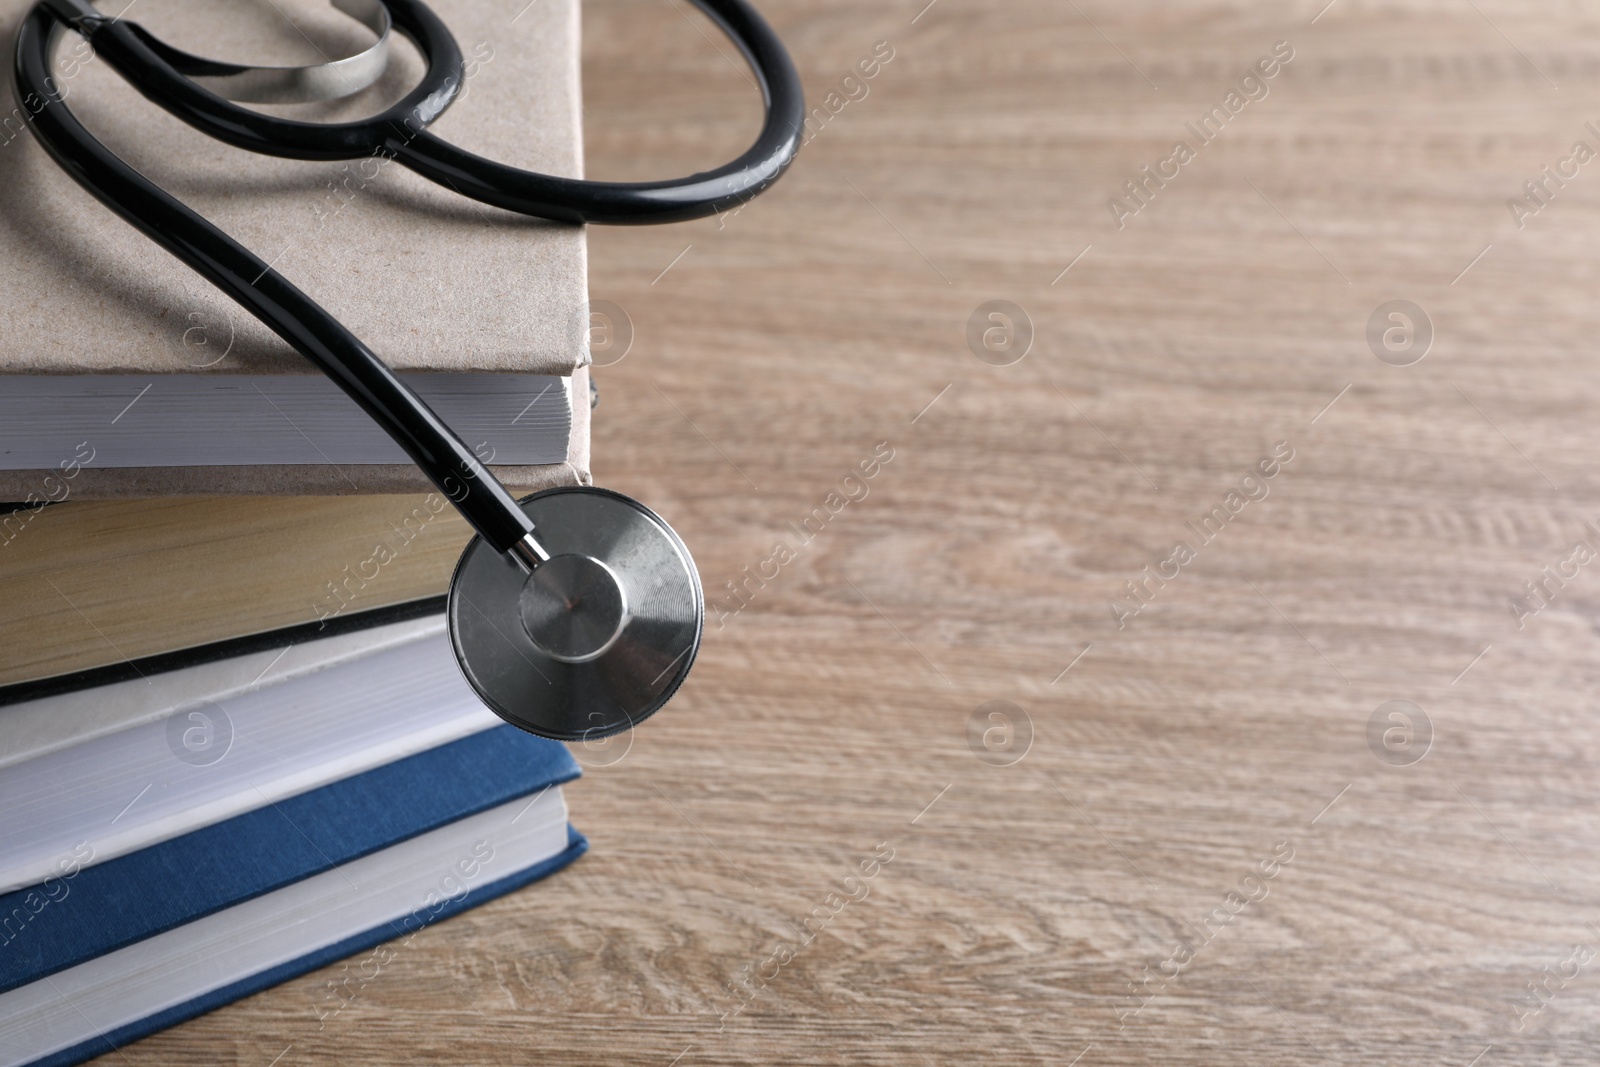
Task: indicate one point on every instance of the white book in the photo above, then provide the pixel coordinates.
(30, 728)
(215, 756)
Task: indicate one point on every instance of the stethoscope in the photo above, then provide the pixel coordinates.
(576, 612)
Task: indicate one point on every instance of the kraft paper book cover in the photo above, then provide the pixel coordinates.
(433, 283)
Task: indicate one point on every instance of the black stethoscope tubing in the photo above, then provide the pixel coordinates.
(158, 72)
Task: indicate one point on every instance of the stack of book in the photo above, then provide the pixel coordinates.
(182, 838)
(234, 743)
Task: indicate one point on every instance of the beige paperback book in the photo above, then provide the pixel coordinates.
(175, 475)
(122, 367)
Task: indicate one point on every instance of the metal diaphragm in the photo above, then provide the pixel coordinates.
(598, 637)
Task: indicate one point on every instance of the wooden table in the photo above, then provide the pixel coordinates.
(1425, 871)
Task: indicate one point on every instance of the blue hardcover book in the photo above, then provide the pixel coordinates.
(101, 955)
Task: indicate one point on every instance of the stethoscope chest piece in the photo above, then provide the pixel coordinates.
(598, 636)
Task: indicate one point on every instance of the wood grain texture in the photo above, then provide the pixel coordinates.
(1229, 715)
